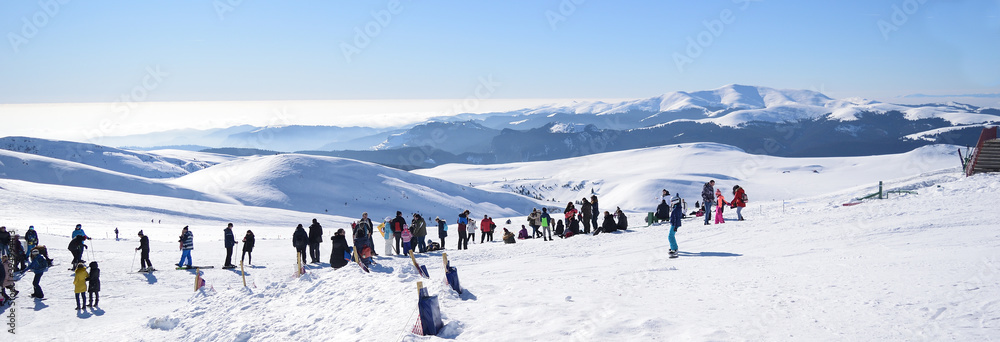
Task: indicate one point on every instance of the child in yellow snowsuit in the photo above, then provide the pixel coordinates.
(80, 284)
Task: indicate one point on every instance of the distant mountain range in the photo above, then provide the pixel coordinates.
(759, 120)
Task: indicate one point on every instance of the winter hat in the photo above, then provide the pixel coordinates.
(718, 192)
(78, 226)
(31, 227)
(93, 265)
(81, 265)
(140, 232)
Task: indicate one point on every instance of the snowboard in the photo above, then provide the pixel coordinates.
(194, 267)
(228, 267)
(147, 271)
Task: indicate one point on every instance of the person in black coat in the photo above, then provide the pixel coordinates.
(338, 258)
(315, 238)
(608, 225)
(442, 233)
(663, 211)
(144, 264)
(230, 242)
(76, 247)
(397, 225)
(94, 284)
(4, 241)
(622, 219)
(248, 242)
(300, 239)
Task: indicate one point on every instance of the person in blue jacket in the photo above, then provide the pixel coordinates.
(675, 222)
(187, 245)
(38, 265)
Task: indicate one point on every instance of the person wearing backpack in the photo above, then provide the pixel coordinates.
(739, 201)
(463, 235)
(398, 224)
(38, 265)
(442, 229)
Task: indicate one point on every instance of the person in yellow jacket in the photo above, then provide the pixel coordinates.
(80, 283)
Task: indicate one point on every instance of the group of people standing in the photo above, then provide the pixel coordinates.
(711, 196)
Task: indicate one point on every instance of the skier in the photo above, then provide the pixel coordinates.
(76, 247)
(80, 284)
(721, 201)
(230, 241)
(707, 198)
(186, 245)
(397, 229)
(4, 241)
(300, 239)
(144, 264)
(248, 242)
(463, 236)
(675, 222)
(338, 257)
(442, 229)
(739, 201)
(94, 284)
(315, 238)
(586, 211)
(116, 233)
(546, 225)
(594, 210)
(38, 265)
(622, 219)
(419, 233)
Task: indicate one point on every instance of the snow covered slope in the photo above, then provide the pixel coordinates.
(45, 170)
(129, 162)
(345, 187)
(633, 179)
(906, 268)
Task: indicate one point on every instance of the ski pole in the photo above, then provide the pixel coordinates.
(133, 261)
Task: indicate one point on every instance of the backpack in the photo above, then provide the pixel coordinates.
(744, 197)
(42, 262)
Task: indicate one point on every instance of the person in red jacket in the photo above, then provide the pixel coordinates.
(484, 226)
(739, 201)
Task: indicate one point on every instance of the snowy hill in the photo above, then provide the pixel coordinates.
(904, 268)
(140, 164)
(633, 179)
(45, 170)
(344, 187)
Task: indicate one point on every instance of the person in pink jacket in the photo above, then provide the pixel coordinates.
(719, 202)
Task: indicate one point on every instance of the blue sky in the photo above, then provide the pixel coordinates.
(230, 50)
